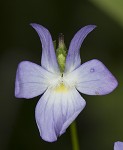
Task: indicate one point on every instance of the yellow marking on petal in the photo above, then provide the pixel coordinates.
(61, 88)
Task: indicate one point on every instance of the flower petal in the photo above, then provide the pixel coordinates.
(73, 59)
(56, 110)
(118, 145)
(48, 60)
(31, 80)
(93, 78)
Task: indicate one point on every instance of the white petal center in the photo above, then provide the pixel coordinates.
(62, 83)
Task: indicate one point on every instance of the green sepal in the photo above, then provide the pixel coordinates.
(61, 58)
(61, 53)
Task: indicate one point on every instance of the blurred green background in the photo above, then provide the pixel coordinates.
(100, 124)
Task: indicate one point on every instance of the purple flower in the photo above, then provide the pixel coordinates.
(118, 145)
(61, 102)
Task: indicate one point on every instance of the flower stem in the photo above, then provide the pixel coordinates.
(74, 137)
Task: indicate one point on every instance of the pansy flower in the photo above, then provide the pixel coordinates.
(118, 145)
(60, 78)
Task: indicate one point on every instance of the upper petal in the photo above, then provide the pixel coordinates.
(93, 78)
(118, 145)
(48, 60)
(73, 58)
(31, 80)
(56, 110)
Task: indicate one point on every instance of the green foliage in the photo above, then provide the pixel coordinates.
(114, 8)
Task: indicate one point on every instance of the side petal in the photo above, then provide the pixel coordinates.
(93, 78)
(118, 145)
(31, 80)
(73, 58)
(55, 111)
(48, 60)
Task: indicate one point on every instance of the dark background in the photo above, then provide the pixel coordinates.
(100, 124)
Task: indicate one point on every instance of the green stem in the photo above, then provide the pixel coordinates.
(74, 137)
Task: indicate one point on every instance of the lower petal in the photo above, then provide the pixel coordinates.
(56, 110)
(118, 145)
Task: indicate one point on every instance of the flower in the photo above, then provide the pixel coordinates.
(118, 145)
(61, 102)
